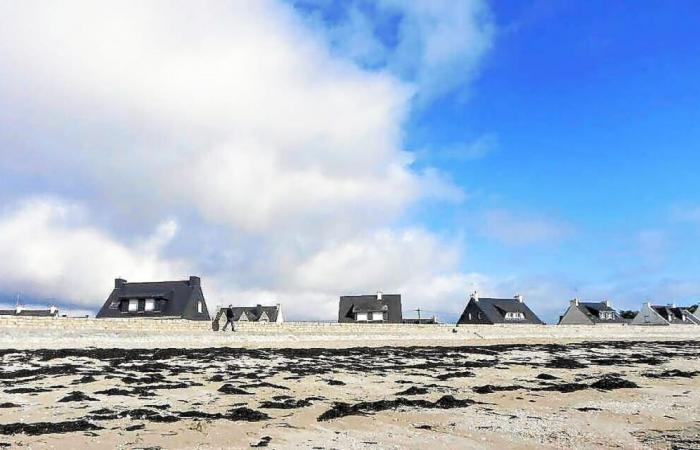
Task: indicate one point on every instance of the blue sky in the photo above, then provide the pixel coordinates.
(298, 151)
(593, 110)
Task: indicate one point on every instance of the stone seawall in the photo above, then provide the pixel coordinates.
(39, 332)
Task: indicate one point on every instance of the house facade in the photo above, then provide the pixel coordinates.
(664, 315)
(379, 308)
(489, 311)
(590, 313)
(257, 313)
(160, 299)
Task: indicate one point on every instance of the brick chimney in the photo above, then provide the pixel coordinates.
(519, 298)
(475, 296)
(195, 281)
(119, 282)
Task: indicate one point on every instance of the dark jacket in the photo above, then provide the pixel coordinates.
(229, 314)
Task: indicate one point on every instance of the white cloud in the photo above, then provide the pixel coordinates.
(223, 102)
(49, 251)
(513, 228)
(450, 39)
(239, 122)
(686, 213)
(438, 44)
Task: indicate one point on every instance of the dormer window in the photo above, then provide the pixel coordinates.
(149, 305)
(515, 316)
(605, 315)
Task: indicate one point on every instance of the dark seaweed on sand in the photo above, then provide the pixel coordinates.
(341, 409)
(147, 373)
(38, 428)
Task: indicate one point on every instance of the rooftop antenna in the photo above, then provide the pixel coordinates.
(418, 310)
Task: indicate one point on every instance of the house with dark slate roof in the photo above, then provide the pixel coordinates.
(489, 311)
(590, 313)
(161, 299)
(258, 313)
(664, 315)
(379, 308)
(21, 311)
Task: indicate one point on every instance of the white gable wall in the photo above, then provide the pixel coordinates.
(647, 316)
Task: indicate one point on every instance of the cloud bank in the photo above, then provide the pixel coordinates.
(232, 140)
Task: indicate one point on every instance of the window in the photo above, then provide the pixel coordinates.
(361, 317)
(470, 316)
(514, 316)
(199, 307)
(133, 305)
(150, 305)
(378, 316)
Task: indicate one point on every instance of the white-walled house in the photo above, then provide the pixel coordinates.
(664, 315)
(590, 313)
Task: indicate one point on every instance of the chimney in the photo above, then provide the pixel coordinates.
(475, 296)
(53, 310)
(379, 295)
(195, 281)
(519, 298)
(574, 302)
(607, 303)
(119, 282)
(18, 309)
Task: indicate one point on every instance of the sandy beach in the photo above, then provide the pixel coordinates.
(603, 394)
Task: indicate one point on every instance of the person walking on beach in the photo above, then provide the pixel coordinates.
(229, 318)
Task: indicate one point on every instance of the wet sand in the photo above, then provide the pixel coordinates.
(619, 394)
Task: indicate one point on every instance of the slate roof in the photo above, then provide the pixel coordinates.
(495, 310)
(253, 313)
(177, 299)
(673, 314)
(351, 304)
(593, 309)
